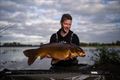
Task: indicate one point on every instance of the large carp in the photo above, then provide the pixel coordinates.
(57, 51)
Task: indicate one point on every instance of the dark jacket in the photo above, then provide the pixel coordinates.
(69, 38)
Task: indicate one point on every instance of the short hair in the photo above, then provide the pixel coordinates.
(65, 17)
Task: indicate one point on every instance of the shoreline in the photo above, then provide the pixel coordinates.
(80, 46)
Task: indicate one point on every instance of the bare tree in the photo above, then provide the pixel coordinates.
(3, 28)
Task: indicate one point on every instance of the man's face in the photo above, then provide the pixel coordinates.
(66, 25)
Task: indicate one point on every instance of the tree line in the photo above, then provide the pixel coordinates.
(14, 44)
(117, 43)
(17, 44)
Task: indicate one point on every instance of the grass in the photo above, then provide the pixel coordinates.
(106, 55)
(107, 58)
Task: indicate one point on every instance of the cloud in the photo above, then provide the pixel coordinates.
(34, 21)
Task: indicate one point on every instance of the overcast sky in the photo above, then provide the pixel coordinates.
(34, 21)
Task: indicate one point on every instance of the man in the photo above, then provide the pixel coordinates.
(65, 35)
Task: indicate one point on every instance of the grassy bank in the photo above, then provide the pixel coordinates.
(107, 59)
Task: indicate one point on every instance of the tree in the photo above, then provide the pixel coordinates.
(118, 43)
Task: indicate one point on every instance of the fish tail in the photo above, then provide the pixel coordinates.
(31, 59)
(31, 54)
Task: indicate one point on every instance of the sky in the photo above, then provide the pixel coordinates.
(34, 21)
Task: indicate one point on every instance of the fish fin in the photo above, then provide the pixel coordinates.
(41, 57)
(29, 52)
(31, 60)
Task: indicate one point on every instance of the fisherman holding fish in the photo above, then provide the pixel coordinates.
(63, 47)
(65, 35)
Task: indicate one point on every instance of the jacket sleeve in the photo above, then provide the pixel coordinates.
(53, 38)
(75, 40)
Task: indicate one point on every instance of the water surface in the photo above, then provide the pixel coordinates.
(13, 58)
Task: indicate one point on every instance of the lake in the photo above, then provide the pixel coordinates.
(13, 58)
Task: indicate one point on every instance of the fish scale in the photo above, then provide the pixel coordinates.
(57, 51)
